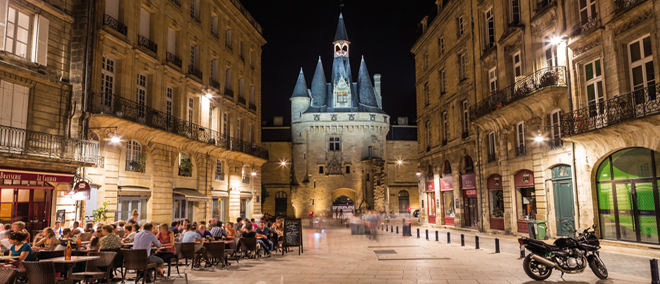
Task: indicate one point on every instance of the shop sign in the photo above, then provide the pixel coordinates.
(446, 183)
(32, 176)
(81, 191)
(470, 193)
(468, 182)
(430, 186)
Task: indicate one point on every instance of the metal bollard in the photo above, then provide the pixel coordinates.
(655, 279)
(418, 233)
(436, 236)
(497, 245)
(462, 240)
(385, 228)
(448, 238)
(522, 251)
(427, 234)
(476, 242)
(397, 229)
(392, 228)
(381, 227)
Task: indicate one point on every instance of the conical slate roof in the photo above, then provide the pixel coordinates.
(340, 34)
(319, 86)
(365, 88)
(301, 87)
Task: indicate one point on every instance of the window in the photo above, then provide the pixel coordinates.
(181, 208)
(252, 98)
(211, 117)
(240, 48)
(466, 116)
(171, 41)
(426, 93)
(219, 173)
(348, 169)
(445, 127)
(219, 208)
(594, 87)
(461, 26)
(490, 28)
(191, 110)
(214, 25)
(241, 87)
(13, 109)
(185, 165)
(428, 134)
(443, 82)
(142, 95)
(145, 22)
(587, 10)
(134, 157)
(194, 55)
(441, 45)
(239, 135)
(107, 80)
(334, 143)
(520, 134)
(555, 130)
(641, 68)
(18, 33)
(225, 123)
(320, 172)
(517, 65)
(168, 103)
(250, 133)
(550, 52)
(194, 9)
(214, 69)
(228, 36)
(491, 146)
(126, 204)
(515, 11)
(426, 61)
(250, 57)
(492, 80)
(462, 63)
(228, 78)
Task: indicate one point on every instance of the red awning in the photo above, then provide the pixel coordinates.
(14, 174)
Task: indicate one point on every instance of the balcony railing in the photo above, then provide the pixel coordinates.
(176, 2)
(248, 16)
(44, 145)
(625, 4)
(129, 110)
(147, 43)
(491, 158)
(192, 70)
(115, 24)
(636, 104)
(241, 100)
(253, 106)
(196, 19)
(556, 143)
(586, 27)
(545, 77)
(172, 58)
(214, 83)
(229, 92)
(521, 150)
(543, 3)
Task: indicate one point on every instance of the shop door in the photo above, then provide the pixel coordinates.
(471, 215)
(404, 204)
(243, 208)
(430, 200)
(564, 206)
(635, 212)
(280, 203)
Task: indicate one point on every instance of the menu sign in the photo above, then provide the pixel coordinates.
(54, 177)
(293, 234)
(446, 183)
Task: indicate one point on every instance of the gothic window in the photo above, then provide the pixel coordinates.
(334, 143)
(469, 165)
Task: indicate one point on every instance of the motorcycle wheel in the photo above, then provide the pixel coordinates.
(598, 268)
(535, 270)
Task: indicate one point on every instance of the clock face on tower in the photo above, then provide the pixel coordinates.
(341, 49)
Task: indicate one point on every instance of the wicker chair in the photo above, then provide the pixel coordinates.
(120, 234)
(118, 261)
(187, 251)
(7, 275)
(138, 260)
(249, 245)
(46, 254)
(85, 237)
(232, 250)
(217, 252)
(42, 273)
(94, 268)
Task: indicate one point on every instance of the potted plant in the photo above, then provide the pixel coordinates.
(136, 166)
(99, 214)
(185, 167)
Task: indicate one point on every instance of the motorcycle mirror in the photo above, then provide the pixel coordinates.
(571, 231)
(594, 226)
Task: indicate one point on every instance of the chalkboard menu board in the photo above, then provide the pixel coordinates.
(293, 234)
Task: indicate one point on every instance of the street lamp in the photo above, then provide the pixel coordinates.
(115, 139)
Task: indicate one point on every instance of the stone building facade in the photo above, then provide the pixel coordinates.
(40, 153)
(179, 82)
(339, 155)
(563, 112)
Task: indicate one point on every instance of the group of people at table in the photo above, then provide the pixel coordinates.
(15, 239)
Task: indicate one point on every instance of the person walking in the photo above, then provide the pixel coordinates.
(341, 213)
(336, 212)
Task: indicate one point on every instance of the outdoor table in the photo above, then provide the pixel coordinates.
(8, 257)
(68, 264)
(177, 246)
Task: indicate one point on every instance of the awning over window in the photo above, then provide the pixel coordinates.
(134, 191)
(191, 194)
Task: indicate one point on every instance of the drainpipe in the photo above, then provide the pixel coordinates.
(88, 51)
(574, 176)
(474, 57)
(481, 216)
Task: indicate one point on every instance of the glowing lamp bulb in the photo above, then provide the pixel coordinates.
(400, 162)
(283, 163)
(208, 95)
(115, 139)
(538, 139)
(555, 40)
(254, 174)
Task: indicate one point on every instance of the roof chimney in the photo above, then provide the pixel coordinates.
(377, 89)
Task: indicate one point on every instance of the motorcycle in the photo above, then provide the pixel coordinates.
(568, 255)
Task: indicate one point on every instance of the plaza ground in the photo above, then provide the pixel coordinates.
(336, 256)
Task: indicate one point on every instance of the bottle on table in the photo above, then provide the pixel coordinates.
(67, 251)
(79, 242)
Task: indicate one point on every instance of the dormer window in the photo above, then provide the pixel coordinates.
(341, 49)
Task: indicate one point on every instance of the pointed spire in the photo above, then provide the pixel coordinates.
(340, 34)
(301, 86)
(319, 86)
(365, 88)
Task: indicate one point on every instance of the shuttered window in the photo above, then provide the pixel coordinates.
(14, 105)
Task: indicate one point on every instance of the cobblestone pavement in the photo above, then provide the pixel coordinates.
(336, 256)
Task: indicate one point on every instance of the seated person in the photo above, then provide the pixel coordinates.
(20, 227)
(48, 240)
(204, 232)
(250, 233)
(191, 236)
(263, 233)
(229, 229)
(19, 248)
(109, 241)
(166, 238)
(218, 231)
(96, 237)
(129, 234)
(144, 240)
(4, 241)
(175, 228)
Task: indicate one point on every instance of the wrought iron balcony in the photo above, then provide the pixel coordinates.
(586, 27)
(241, 100)
(214, 83)
(229, 92)
(115, 24)
(172, 58)
(636, 104)
(196, 19)
(543, 3)
(625, 4)
(176, 2)
(521, 150)
(491, 158)
(117, 106)
(542, 78)
(192, 70)
(147, 43)
(556, 143)
(38, 144)
(253, 106)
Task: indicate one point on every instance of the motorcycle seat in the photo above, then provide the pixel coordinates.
(542, 244)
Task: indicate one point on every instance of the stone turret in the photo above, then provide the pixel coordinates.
(300, 99)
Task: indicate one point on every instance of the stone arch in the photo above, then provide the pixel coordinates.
(350, 193)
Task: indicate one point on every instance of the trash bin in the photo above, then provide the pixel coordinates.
(406, 230)
(540, 230)
(531, 229)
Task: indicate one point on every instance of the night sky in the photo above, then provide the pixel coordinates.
(298, 31)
